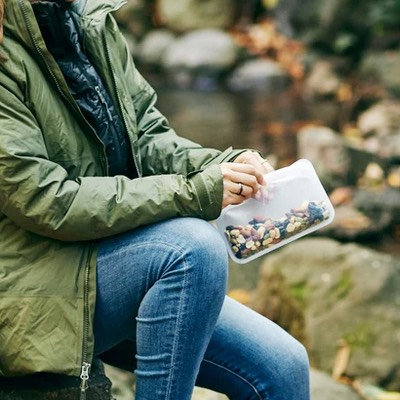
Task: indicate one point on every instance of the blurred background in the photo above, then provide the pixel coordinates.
(315, 79)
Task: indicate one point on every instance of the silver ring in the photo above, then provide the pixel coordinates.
(240, 189)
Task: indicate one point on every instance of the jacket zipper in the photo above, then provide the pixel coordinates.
(85, 367)
(84, 380)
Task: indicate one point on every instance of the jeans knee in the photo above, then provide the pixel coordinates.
(300, 358)
(297, 368)
(208, 256)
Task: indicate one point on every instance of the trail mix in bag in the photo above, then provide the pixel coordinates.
(293, 204)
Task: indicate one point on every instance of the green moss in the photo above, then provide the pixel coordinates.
(299, 292)
(343, 287)
(361, 336)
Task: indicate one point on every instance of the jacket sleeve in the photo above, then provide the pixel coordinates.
(39, 195)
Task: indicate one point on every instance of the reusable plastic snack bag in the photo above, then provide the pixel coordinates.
(293, 204)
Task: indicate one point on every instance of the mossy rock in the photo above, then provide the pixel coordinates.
(339, 292)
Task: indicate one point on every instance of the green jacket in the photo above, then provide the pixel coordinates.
(56, 200)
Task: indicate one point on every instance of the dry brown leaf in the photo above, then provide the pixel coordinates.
(342, 359)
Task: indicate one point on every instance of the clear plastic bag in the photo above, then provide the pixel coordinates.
(293, 204)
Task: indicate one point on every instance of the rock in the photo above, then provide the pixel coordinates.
(260, 75)
(380, 127)
(123, 383)
(382, 68)
(49, 386)
(188, 15)
(207, 48)
(198, 59)
(345, 292)
(382, 119)
(204, 394)
(351, 224)
(323, 387)
(379, 202)
(337, 25)
(322, 81)
(153, 46)
(327, 152)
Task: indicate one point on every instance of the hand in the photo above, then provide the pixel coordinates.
(244, 177)
(241, 181)
(253, 158)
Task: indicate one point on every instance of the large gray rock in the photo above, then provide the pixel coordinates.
(323, 387)
(326, 150)
(340, 292)
(382, 68)
(187, 15)
(338, 25)
(384, 202)
(323, 81)
(260, 75)
(206, 48)
(154, 45)
(380, 127)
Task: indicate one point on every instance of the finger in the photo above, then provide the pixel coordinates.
(267, 166)
(262, 165)
(239, 170)
(231, 194)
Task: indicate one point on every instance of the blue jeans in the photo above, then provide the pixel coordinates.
(161, 288)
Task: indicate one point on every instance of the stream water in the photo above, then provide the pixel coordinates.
(262, 121)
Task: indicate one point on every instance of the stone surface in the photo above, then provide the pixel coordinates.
(260, 75)
(386, 201)
(326, 150)
(322, 81)
(154, 45)
(382, 67)
(206, 48)
(380, 128)
(323, 387)
(187, 15)
(56, 387)
(337, 25)
(351, 224)
(341, 292)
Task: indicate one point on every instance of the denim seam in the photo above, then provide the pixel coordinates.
(178, 328)
(236, 374)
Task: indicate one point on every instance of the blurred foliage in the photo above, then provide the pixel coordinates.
(264, 40)
(384, 16)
